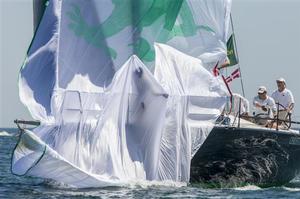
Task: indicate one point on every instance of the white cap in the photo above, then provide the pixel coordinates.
(262, 89)
(280, 80)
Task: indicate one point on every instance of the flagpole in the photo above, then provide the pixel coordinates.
(237, 55)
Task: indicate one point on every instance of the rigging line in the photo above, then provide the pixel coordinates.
(237, 55)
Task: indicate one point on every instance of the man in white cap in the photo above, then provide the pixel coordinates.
(284, 97)
(265, 105)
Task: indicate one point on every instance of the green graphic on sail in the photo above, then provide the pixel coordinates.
(79, 83)
(233, 60)
(150, 21)
(80, 44)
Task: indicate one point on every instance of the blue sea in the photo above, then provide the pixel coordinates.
(29, 187)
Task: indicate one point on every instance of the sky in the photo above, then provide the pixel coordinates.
(267, 34)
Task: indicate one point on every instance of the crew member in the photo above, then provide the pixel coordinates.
(284, 99)
(265, 106)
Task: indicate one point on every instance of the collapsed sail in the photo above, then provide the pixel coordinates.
(112, 136)
(133, 131)
(116, 116)
(196, 99)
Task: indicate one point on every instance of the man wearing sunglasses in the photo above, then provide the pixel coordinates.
(265, 106)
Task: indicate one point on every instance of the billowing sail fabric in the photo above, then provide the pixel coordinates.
(37, 76)
(201, 30)
(100, 139)
(196, 99)
(103, 120)
(123, 27)
(80, 44)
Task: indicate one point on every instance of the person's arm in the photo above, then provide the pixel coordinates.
(273, 106)
(260, 106)
(256, 103)
(291, 103)
(290, 108)
(274, 109)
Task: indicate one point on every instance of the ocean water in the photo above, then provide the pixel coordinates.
(29, 187)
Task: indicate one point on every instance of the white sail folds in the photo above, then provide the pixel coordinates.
(196, 99)
(106, 120)
(112, 136)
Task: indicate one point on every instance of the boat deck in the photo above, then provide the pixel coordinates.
(248, 124)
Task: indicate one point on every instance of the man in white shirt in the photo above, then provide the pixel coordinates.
(285, 98)
(265, 105)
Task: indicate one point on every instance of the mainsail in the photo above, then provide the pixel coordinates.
(105, 119)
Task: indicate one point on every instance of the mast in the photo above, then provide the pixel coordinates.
(38, 11)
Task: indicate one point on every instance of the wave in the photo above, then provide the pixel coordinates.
(248, 188)
(131, 185)
(291, 189)
(4, 133)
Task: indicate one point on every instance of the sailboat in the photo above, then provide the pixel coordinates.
(239, 151)
(122, 94)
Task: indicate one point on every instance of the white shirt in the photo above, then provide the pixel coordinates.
(285, 98)
(268, 103)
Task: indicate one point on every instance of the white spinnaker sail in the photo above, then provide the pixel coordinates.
(80, 44)
(69, 74)
(196, 99)
(134, 131)
(112, 136)
(203, 34)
